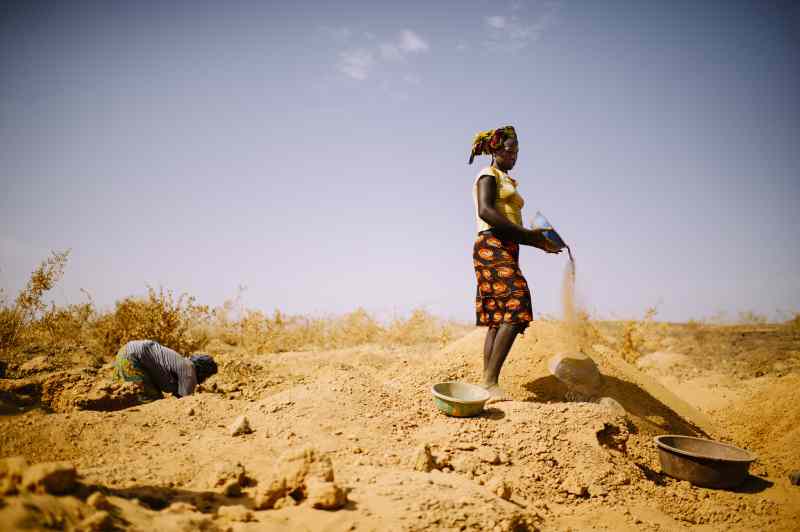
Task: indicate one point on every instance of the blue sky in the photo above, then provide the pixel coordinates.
(316, 152)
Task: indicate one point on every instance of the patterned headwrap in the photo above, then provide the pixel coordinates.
(490, 142)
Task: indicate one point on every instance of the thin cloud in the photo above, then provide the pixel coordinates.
(496, 21)
(516, 33)
(411, 42)
(390, 52)
(338, 33)
(356, 63)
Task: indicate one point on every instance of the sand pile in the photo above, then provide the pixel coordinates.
(350, 439)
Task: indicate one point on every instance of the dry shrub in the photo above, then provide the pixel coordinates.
(794, 322)
(419, 328)
(263, 334)
(161, 317)
(29, 325)
(21, 323)
(635, 336)
(752, 318)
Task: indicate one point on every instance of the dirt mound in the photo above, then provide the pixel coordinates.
(544, 461)
(773, 434)
(86, 389)
(526, 376)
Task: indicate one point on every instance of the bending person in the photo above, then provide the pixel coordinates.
(503, 299)
(158, 369)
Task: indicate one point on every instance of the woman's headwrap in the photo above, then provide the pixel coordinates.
(204, 366)
(491, 141)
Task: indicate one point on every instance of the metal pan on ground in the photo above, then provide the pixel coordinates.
(459, 399)
(702, 462)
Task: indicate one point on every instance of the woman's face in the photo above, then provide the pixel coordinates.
(506, 157)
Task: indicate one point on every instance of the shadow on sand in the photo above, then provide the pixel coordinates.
(636, 401)
(160, 497)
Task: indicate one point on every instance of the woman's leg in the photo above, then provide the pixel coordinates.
(503, 340)
(488, 345)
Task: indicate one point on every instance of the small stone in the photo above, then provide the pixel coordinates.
(97, 522)
(236, 513)
(488, 455)
(574, 486)
(227, 472)
(325, 495)
(36, 364)
(613, 405)
(240, 426)
(232, 488)
(597, 490)
(11, 471)
(285, 502)
(179, 508)
(423, 460)
(463, 464)
(98, 501)
(499, 487)
(269, 493)
(794, 478)
(55, 478)
(190, 412)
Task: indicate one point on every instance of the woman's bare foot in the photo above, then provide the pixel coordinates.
(496, 393)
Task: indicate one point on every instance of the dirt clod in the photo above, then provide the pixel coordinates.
(499, 487)
(423, 459)
(237, 513)
(97, 522)
(11, 471)
(241, 425)
(325, 495)
(56, 478)
(488, 455)
(98, 501)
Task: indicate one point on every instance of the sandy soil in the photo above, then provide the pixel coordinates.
(356, 431)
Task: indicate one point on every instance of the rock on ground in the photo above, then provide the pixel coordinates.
(235, 513)
(423, 459)
(56, 478)
(325, 495)
(499, 487)
(11, 471)
(578, 371)
(35, 365)
(300, 475)
(241, 425)
(97, 522)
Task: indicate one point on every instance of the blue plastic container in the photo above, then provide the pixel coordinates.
(552, 236)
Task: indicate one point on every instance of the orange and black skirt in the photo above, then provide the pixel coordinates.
(503, 295)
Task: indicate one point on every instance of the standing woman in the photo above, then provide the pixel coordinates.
(503, 300)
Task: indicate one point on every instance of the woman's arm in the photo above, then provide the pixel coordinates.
(487, 193)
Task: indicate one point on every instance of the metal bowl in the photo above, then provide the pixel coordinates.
(459, 399)
(702, 462)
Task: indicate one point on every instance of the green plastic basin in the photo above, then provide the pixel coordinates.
(459, 399)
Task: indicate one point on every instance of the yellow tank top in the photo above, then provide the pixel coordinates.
(508, 202)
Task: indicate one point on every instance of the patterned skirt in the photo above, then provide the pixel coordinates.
(127, 369)
(503, 295)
